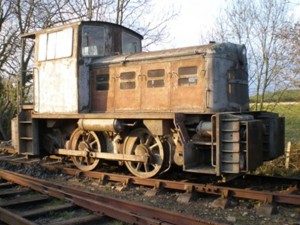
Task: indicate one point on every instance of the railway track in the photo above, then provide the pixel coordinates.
(247, 187)
(20, 204)
(287, 193)
(125, 211)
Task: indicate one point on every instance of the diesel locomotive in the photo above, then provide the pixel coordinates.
(97, 97)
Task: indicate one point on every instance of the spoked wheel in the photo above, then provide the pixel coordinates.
(85, 141)
(141, 142)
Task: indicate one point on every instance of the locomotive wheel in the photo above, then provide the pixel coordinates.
(141, 142)
(85, 141)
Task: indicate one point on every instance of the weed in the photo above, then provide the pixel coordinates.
(63, 214)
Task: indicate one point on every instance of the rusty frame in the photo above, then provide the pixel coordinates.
(103, 155)
(264, 196)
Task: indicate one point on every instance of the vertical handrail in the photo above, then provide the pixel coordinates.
(206, 98)
(212, 141)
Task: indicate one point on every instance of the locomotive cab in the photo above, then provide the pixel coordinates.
(62, 58)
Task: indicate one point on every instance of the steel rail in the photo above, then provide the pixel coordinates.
(11, 218)
(126, 211)
(264, 196)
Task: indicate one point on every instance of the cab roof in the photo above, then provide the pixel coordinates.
(78, 23)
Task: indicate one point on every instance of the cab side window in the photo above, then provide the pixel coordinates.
(130, 44)
(93, 41)
(55, 45)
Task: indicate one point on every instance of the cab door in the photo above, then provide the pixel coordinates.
(102, 98)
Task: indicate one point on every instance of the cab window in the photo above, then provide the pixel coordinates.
(93, 41)
(130, 44)
(55, 45)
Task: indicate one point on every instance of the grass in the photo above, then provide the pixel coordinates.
(56, 202)
(291, 112)
(286, 96)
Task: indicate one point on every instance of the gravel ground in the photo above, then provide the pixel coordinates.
(237, 212)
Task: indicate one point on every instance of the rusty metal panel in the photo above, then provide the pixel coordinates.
(196, 79)
(127, 90)
(155, 85)
(107, 115)
(158, 127)
(188, 85)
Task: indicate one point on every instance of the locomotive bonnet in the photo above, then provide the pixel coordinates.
(97, 97)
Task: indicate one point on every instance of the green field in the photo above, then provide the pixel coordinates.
(286, 96)
(291, 112)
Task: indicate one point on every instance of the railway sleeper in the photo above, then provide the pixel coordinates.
(157, 188)
(221, 202)
(32, 208)
(267, 209)
(44, 210)
(187, 197)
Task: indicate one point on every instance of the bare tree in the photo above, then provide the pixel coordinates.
(7, 49)
(141, 16)
(258, 25)
(25, 16)
(290, 37)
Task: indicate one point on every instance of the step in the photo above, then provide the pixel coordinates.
(26, 122)
(26, 138)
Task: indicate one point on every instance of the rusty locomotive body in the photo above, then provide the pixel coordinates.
(98, 97)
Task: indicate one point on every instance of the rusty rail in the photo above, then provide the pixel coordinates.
(121, 210)
(264, 196)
